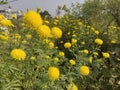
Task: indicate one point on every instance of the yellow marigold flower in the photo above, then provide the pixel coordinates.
(29, 36)
(56, 59)
(17, 36)
(106, 55)
(47, 57)
(2, 17)
(118, 59)
(14, 16)
(53, 73)
(46, 41)
(56, 32)
(18, 54)
(61, 54)
(96, 32)
(72, 87)
(47, 22)
(95, 53)
(74, 35)
(4, 37)
(83, 43)
(85, 51)
(72, 62)
(6, 23)
(32, 58)
(67, 45)
(84, 70)
(32, 19)
(80, 23)
(99, 41)
(74, 41)
(24, 42)
(90, 59)
(44, 31)
(113, 41)
(51, 44)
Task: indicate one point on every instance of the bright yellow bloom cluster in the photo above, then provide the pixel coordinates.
(18, 54)
(44, 31)
(61, 54)
(85, 51)
(67, 45)
(106, 55)
(32, 19)
(56, 32)
(84, 70)
(74, 40)
(2, 17)
(53, 73)
(99, 41)
(72, 87)
(72, 62)
(51, 45)
(6, 23)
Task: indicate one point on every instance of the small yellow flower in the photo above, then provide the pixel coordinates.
(99, 41)
(96, 32)
(6, 23)
(83, 43)
(51, 45)
(84, 70)
(53, 73)
(2, 17)
(24, 42)
(18, 54)
(74, 41)
(61, 54)
(90, 59)
(56, 32)
(47, 57)
(32, 58)
(67, 45)
(85, 51)
(106, 55)
(56, 59)
(72, 87)
(95, 53)
(72, 62)
(80, 23)
(29, 36)
(113, 41)
(18, 36)
(44, 31)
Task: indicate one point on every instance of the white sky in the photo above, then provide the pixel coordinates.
(49, 5)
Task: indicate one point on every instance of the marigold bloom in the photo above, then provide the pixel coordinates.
(67, 45)
(53, 73)
(85, 51)
(74, 41)
(44, 31)
(56, 59)
(51, 45)
(99, 41)
(72, 87)
(4, 37)
(2, 17)
(72, 62)
(106, 55)
(29, 36)
(6, 23)
(84, 70)
(96, 32)
(61, 54)
(18, 54)
(32, 58)
(32, 19)
(56, 32)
